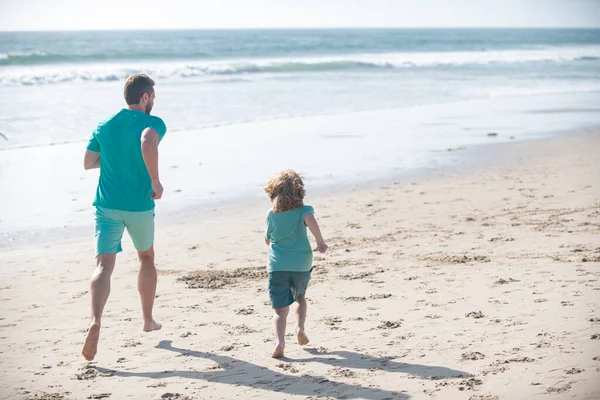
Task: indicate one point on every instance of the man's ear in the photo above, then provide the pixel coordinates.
(145, 97)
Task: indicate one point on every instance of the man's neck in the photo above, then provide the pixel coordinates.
(136, 107)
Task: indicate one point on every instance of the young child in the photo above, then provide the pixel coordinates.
(290, 253)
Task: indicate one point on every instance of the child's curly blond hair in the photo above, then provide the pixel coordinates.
(286, 190)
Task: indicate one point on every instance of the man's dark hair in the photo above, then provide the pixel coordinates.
(136, 86)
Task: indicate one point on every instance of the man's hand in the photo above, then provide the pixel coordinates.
(322, 247)
(157, 190)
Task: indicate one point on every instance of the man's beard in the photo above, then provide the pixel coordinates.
(148, 108)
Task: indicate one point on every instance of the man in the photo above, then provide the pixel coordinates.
(125, 148)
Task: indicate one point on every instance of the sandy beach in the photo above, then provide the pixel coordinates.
(477, 283)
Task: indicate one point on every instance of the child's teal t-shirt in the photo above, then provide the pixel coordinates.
(290, 249)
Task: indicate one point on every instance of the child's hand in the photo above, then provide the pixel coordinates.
(322, 247)
(311, 222)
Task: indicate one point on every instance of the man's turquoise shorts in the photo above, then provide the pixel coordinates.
(110, 225)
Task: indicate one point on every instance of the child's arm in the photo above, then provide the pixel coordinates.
(267, 229)
(312, 224)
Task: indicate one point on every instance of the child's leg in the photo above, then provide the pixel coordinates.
(279, 322)
(300, 311)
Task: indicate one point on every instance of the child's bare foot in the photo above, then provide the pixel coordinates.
(90, 347)
(151, 326)
(302, 338)
(278, 352)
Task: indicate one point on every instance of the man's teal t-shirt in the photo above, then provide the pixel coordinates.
(124, 182)
(290, 249)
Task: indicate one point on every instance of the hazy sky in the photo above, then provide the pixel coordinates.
(181, 14)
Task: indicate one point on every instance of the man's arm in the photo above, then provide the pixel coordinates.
(91, 160)
(312, 224)
(150, 141)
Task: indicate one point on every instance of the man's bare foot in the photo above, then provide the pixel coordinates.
(302, 338)
(152, 326)
(90, 347)
(278, 352)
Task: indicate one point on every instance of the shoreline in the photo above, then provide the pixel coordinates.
(230, 163)
(466, 159)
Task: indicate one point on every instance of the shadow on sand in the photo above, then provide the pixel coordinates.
(242, 373)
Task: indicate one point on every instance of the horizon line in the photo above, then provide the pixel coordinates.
(293, 28)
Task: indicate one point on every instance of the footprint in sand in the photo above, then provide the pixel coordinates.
(390, 325)
(574, 371)
(473, 355)
(380, 296)
(241, 330)
(131, 343)
(99, 396)
(475, 314)
(543, 345)
(46, 396)
(227, 347)
(288, 368)
(515, 360)
(80, 295)
(559, 388)
(175, 396)
(469, 384)
(157, 385)
(503, 281)
(90, 372)
(354, 299)
(590, 259)
(341, 373)
(320, 350)
(332, 322)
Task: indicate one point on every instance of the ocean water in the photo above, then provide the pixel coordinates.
(65, 82)
(339, 105)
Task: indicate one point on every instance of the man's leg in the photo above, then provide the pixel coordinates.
(147, 287)
(140, 226)
(100, 290)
